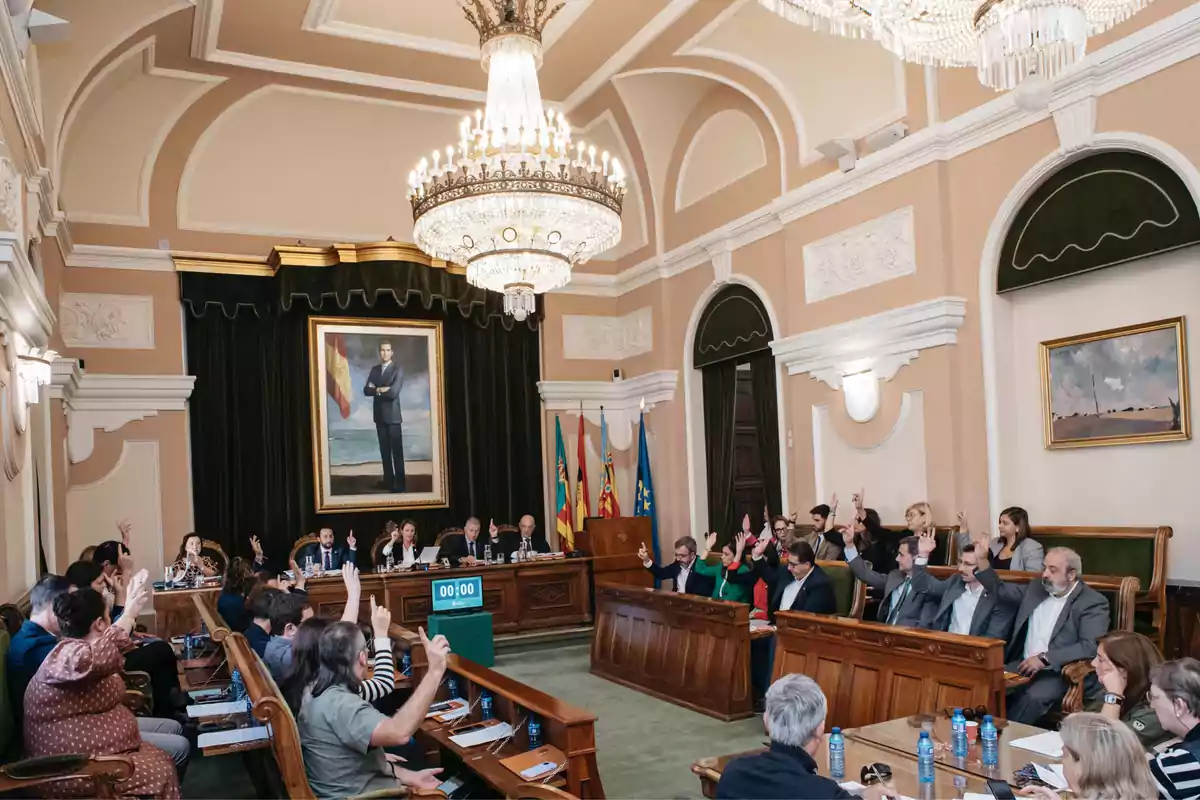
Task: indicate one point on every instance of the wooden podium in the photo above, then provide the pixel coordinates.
(613, 544)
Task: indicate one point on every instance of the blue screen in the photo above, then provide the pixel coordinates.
(456, 593)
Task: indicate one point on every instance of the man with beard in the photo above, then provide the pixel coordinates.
(1059, 621)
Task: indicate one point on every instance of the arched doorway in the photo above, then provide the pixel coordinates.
(732, 352)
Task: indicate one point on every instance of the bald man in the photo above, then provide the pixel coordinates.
(534, 542)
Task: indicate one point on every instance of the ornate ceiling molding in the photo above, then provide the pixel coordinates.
(621, 400)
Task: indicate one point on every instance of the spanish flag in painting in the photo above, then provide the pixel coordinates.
(337, 372)
(608, 505)
(644, 503)
(562, 496)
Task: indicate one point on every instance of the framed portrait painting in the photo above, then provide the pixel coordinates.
(378, 414)
(1121, 386)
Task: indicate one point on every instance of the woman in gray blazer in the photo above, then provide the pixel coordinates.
(1014, 548)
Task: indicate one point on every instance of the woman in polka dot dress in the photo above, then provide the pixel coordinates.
(74, 704)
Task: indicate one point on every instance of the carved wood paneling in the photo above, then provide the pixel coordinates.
(687, 650)
(872, 672)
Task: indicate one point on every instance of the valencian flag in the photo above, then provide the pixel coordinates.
(583, 505)
(337, 372)
(562, 497)
(608, 505)
(644, 503)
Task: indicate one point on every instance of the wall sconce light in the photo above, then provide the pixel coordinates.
(34, 370)
(860, 391)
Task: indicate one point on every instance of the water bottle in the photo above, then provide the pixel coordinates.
(203, 630)
(187, 647)
(452, 685)
(236, 686)
(958, 733)
(837, 755)
(925, 758)
(391, 562)
(168, 575)
(535, 732)
(485, 706)
(487, 554)
(991, 747)
(406, 665)
(254, 723)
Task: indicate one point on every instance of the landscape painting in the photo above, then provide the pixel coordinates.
(378, 417)
(1120, 386)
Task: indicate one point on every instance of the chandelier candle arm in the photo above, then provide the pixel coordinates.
(512, 201)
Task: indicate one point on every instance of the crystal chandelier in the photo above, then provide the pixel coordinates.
(1006, 40)
(516, 201)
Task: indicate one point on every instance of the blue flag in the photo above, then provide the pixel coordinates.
(644, 503)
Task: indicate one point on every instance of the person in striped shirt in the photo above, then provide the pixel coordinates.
(1175, 697)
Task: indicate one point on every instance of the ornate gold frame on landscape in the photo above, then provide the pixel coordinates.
(316, 390)
(1185, 429)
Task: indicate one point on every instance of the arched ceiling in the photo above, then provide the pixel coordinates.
(224, 124)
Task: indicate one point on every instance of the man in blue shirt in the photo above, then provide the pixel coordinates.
(35, 640)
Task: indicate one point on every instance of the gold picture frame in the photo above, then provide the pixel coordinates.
(357, 424)
(1125, 385)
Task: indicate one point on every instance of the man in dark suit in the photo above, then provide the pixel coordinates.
(464, 551)
(901, 604)
(968, 602)
(1059, 621)
(527, 536)
(327, 554)
(795, 720)
(687, 580)
(383, 385)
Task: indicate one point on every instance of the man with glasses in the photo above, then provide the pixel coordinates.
(969, 602)
(901, 605)
(686, 579)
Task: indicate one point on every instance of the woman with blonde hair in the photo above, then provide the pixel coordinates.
(919, 518)
(1102, 760)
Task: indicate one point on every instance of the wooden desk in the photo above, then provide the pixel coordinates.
(529, 596)
(570, 729)
(687, 650)
(872, 672)
(900, 735)
(858, 755)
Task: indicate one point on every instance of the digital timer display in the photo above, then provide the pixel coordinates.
(454, 594)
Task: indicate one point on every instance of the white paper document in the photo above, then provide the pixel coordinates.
(217, 709)
(758, 624)
(201, 694)
(235, 736)
(489, 734)
(978, 796)
(1053, 775)
(460, 709)
(1048, 744)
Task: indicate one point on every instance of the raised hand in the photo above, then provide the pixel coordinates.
(256, 546)
(849, 534)
(963, 526)
(833, 503)
(983, 547)
(746, 523)
(857, 499)
(125, 563)
(710, 541)
(739, 545)
(643, 553)
(493, 531)
(926, 544)
(766, 515)
(437, 650)
(381, 619)
(119, 589)
(137, 594)
(395, 537)
(350, 578)
(124, 527)
(351, 542)
(760, 547)
(297, 575)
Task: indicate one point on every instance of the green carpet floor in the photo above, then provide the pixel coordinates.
(645, 746)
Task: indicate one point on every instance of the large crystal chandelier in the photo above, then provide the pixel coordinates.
(1006, 40)
(515, 200)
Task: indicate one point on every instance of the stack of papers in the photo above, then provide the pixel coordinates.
(217, 709)
(1048, 744)
(489, 734)
(1052, 775)
(235, 736)
(204, 694)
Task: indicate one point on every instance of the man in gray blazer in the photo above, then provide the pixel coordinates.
(968, 602)
(902, 604)
(1059, 621)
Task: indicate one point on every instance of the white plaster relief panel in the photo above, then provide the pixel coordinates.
(119, 321)
(876, 251)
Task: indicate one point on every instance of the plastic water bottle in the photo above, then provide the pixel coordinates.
(452, 685)
(237, 686)
(487, 554)
(925, 758)
(254, 723)
(187, 647)
(837, 755)
(535, 732)
(406, 665)
(958, 733)
(991, 748)
(485, 706)
(391, 562)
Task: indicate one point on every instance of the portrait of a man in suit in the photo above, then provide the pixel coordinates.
(383, 386)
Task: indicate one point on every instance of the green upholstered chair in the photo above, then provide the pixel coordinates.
(946, 551)
(851, 593)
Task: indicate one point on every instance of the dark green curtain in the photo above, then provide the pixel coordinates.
(766, 418)
(252, 460)
(720, 400)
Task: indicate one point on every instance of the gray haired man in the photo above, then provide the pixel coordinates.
(1059, 621)
(795, 721)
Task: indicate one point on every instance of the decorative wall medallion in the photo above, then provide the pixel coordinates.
(864, 255)
(118, 321)
(608, 338)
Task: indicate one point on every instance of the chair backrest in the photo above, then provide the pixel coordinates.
(301, 543)
(1140, 552)
(446, 538)
(851, 593)
(216, 553)
(270, 707)
(377, 556)
(541, 791)
(946, 551)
